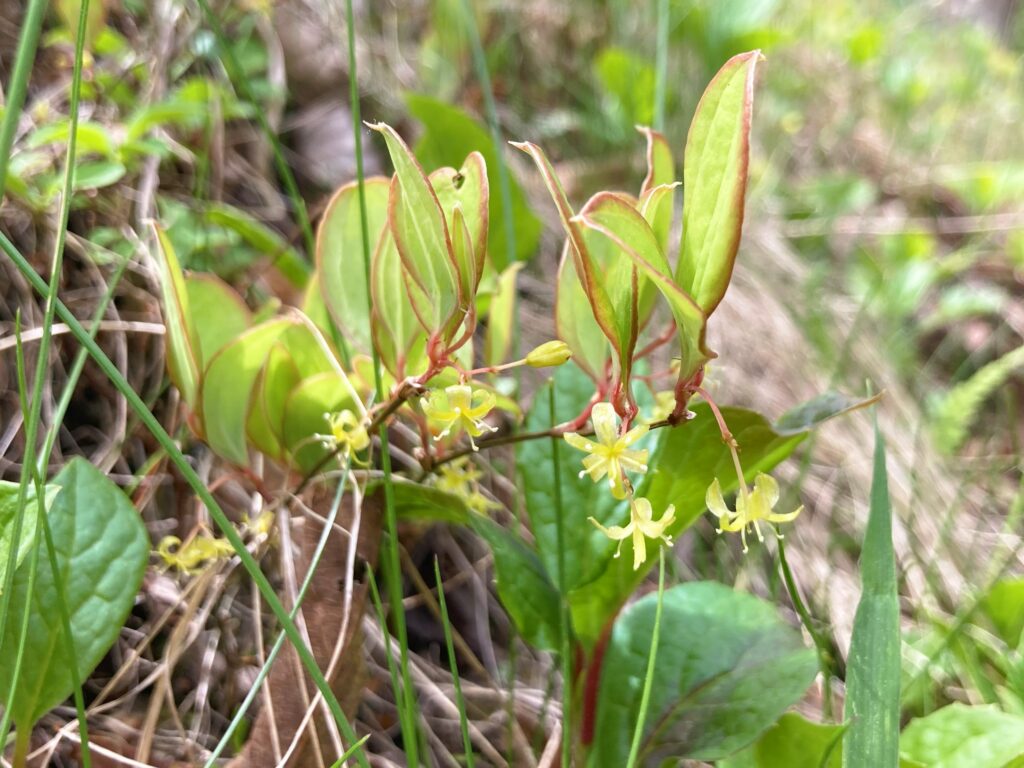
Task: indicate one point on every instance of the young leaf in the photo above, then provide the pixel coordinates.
(873, 667)
(397, 333)
(792, 742)
(731, 669)
(657, 206)
(448, 135)
(339, 256)
(421, 235)
(501, 319)
(611, 217)
(304, 411)
(101, 551)
(467, 190)
(8, 515)
(715, 181)
(218, 315)
(264, 424)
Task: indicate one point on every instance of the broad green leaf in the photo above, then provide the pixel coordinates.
(397, 333)
(228, 385)
(218, 315)
(612, 218)
(466, 189)
(1004, 605)
(961, 736)
(98, 174)
(304, 415)
(8, 516)
(792, 742)
(91, 138)
(727, 668)
(101, 552)
(339, 256)
(182, 342)
(575, 323)
(421, 236)
(449, 135)
(715, 182)
(685, 461)
(462, 248)
(585, 549)
(873, 666)
(501, 318)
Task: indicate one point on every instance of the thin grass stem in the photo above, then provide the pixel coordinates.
(28, 41)
(453, 665)
(645, 697)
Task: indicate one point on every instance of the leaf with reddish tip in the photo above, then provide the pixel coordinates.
(339, 256)
(657, 207)
(609, 216)
(421, 235)
(715, 181)
(468, 189)
(654, 204)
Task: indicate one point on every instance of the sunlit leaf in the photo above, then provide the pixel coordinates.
(961, 736)
(8, 515)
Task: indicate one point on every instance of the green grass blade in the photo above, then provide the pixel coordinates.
(873, 667)
(17, 87)
(661, 66)
(196, 484)
(453, 665)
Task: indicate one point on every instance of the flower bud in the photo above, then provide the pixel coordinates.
(548, 354)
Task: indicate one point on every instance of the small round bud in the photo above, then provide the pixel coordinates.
(548, 354)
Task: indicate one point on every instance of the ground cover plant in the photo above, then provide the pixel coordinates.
(473, 458)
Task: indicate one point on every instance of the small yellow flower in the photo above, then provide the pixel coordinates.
(461, 479)
(460, 407)
(751, 507)
(641, 527)
(192, 556)
(348, 433)
(609, 453)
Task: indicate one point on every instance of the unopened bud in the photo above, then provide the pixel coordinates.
(548, 354)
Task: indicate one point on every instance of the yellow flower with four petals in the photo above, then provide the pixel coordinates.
(460, 407)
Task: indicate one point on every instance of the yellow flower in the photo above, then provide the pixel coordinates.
(460, 407)
(609, 454)
(461, 479)
(641, 527)
(348, 433)
(751, 507)
(191, 556)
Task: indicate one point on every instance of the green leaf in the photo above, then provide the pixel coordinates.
(715, 182)
(726, 669)
(264, 423)
(101, 551)
(228, 385)
(612, 218)
(873, 667)
(304, 411)
(792, 742)
(397, 334)
(182, 342)
(960, 736)
(682, 466)
(91, 138)
(449, 135)
(8, 515)
(99, 174)
(421, 503)
(262, 239)
(217, 314)
(339, 256)
(586, 549)
(1004, 605)
(467, 190)
(421, 236)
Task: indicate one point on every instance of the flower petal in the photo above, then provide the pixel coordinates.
(635, 434)
(615, 532)
(606, 423)
(715, 502)
(784, 517)
(579, 442)
(639, 549)
(768, 488)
